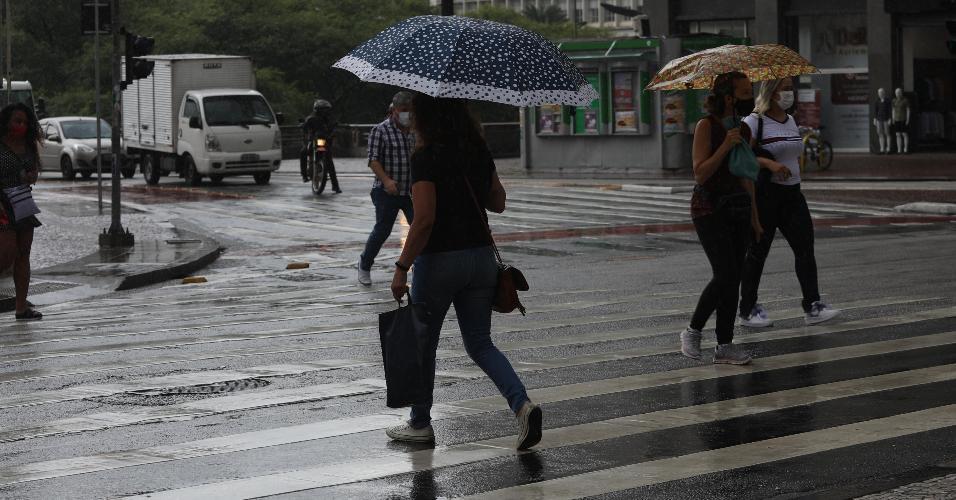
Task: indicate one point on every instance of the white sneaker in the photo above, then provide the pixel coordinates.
(758, 318)
(364, 277)
(820, 312)
(407, 433)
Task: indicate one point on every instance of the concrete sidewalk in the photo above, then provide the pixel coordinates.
(110, 269)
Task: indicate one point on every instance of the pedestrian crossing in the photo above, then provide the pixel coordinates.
(123, 396)
(873, 357)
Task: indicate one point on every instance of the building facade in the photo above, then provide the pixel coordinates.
(589, 12)
(858, 45)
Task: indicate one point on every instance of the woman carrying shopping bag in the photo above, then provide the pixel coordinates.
(781, 205)
(454, 261)
(19, 167)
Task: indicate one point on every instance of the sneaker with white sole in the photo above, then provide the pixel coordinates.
(364, 277)
(690, 343)
(529, 423)
(730, 354)
(820, 312)
(407, 433)
(758, 318)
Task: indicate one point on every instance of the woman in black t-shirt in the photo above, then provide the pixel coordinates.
(19, 164)
(449, 243)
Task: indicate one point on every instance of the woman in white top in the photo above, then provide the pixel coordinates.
(781, 206)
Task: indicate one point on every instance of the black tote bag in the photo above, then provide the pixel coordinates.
(404, 335)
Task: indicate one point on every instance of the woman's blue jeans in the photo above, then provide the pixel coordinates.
(467, 279)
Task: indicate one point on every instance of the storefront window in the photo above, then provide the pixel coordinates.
(587, 119)
(625, 102)
(549, 119)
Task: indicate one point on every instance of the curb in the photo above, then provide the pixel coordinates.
(206, 251)
(925, 207)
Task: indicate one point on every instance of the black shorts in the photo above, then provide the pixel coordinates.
(898, 128)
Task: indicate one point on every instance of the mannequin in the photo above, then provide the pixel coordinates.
(901, 122)
(882, 115)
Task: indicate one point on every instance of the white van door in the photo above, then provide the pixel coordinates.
(188, 136)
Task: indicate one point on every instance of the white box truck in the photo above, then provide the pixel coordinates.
(199, 115)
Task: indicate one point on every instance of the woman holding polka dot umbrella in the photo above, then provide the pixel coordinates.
(460, 57)
(455, 183)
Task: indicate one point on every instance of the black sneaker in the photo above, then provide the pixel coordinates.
(29, 315)
(529, 423)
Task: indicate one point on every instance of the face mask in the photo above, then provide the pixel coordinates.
(786, 99)
(404, 118)
(18, 131)
(744, 106)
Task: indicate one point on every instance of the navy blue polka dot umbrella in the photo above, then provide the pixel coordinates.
(451, 56)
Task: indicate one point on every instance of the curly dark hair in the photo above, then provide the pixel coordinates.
(447, 122)
(723, 86)
(32, 138)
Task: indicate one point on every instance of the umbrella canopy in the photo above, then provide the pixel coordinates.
(450, 56)
(758, 62)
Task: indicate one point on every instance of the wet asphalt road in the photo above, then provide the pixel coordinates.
(267, 382)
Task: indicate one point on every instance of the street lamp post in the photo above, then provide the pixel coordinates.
(447, 7)
(116, 236)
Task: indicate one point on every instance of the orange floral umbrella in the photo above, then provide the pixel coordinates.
(758, 62)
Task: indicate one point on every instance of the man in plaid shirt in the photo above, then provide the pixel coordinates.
(389, 149)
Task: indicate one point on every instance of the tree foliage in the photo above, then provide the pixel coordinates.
(293, 43)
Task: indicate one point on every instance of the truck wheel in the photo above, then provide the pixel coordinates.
(151, 169)
(262, 178)
(190, 174)
(216, 179)
(66, 167)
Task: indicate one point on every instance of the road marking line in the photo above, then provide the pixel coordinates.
(732, 457)
(402, 463)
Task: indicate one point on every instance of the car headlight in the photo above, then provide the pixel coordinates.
(212, 143)
(277, 140)
(82, 148)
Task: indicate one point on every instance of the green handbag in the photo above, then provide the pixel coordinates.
(743, 162)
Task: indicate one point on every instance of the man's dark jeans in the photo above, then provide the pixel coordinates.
(386, 210)
(784, 208)
(725, 235)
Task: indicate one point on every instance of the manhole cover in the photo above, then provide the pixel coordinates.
(217, 388)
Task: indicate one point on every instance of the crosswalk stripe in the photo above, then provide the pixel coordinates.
(416, 461)
(733, 457)
(191, 410)
(589, 320)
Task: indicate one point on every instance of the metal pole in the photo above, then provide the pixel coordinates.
(96, 86)
(116, 237)
(9, 57)
(447, 7)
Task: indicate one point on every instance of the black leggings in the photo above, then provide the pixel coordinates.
(784, 208)
(725, 235)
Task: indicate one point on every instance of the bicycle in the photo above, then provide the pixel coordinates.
(816, 149)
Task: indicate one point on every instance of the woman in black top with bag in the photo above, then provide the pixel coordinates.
(19, 165)
(449, 243)
(724, 214)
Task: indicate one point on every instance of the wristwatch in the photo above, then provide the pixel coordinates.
(401, 266)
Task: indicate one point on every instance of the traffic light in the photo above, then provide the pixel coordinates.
(951, 43)
(137, 46)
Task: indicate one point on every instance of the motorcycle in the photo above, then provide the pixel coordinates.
(319, 154)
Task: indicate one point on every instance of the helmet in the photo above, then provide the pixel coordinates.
(321, 104)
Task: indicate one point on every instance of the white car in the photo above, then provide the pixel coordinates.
(69, 145)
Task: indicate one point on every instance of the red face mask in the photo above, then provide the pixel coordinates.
(18, 131)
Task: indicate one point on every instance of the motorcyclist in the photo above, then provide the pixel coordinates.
(319, 124)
